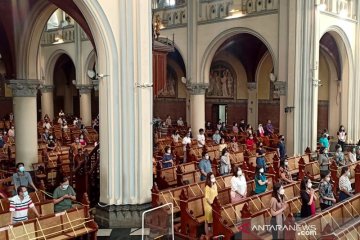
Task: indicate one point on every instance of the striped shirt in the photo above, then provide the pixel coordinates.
(344, 182)
(20, 208)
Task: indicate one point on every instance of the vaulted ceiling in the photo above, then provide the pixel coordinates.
(13, 17)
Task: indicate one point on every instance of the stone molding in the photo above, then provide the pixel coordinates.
(280, 87)
(24, 88)
(84, 88)
(197, 88)
(251, 86)
(46, 88)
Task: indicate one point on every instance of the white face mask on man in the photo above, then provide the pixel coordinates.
(261, 170)
(239, 173)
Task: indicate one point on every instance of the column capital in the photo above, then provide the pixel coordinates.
(46, 88)
(280, 88)
(251, 86)
(197, 88)
(84, 88)
(24, 88)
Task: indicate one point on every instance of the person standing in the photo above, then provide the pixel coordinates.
(326, 193)
(345, 184)
(277, 209)
(260, 181)
(238, 185)
(308, 198)
(204, 166)
(281, 148)
(201, 138)
(341, 136)
(324, 160)
(20, 204)
(225, 166)
(22, 178)
(186, 140)
(260, 156)
(210, 194)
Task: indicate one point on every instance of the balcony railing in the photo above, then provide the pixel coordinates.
(342, 8)
(61, 35)
(212, 10)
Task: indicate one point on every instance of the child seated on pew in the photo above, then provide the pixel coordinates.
(63, 196)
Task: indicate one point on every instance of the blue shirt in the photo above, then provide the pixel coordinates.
(216, 137)
(324, 141)
(204, 165)
(167, 157)
(260, 188)
(282, 150)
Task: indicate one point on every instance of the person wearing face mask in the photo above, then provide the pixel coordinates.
(2, 142)
(186, 140)
(238, 185)
(341, 136)
(210, 194)
(167, 160)
(260, 180)
(277, 209)
(308, 198)
(285, 176)
(63, 196)
(260, 156)
(75, 146)
(225, 166)
(260, 131)
(324, 160)
(235, 128)
(176, 136)
(222, 144)
(20, 204)
(204, 166)
(201, 138)
(11, 132)
(352, 154)
(51, 143)
(250, 143)
(281, 148)
(22, 178)
(327, 198)
(45, 136)
(216, 137)
(234, 146)
(324, 141)
(82, 141)
(345, 184)
(339, 156)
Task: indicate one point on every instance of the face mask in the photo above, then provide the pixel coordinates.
(81, 137)
(348, 174)
(325, 151)
(309, 185)
(354, 150)
(282, 191)
(51, 137)
(239, 173)
(286, 163)
(22, 169)
(283, 139)
(340, 149)
(327, 179)
(261, 170)
(169, 151)
(65, 186)
(77, 141)
(190, 130)
(26, 193)
(206, 157)
(212, 180)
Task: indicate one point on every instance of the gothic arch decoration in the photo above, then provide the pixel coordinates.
(50, 66)
(219, 40)
(222, 81)
(90, 64)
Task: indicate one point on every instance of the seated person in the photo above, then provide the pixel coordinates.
(339, 156)
(63, 196)
(260, 181)
(285, 176)
(167, 160)
(234, 145)
(22, 178)
(180, 122)
(216, 137)
(82, 141)
(20, 204)
(176, 136)
(352, 155)
(45, 136)
(250, 143)
(222, 145)
(51, 143)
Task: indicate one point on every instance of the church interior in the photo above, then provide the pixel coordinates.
(179, 119)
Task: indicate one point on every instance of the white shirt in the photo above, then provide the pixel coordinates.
(344, 182)
(60, 121)
(352, 157)
(186, 140)
(180, 122)
(201, 140)
(238, 184)
(47, 125)
(175, 137)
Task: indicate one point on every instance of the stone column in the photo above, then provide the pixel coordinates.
(126, 114)
(197, 107)
(252, 116)
(24, 100)
(47, 100)
(68, 100)
(85, 103)
(280, 90)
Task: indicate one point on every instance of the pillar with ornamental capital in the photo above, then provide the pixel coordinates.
(47, 100)
(24, 105)
(197, 105)
(85, 103)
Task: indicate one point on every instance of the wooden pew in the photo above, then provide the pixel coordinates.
(252, 211)
(336, 173)
(331, 219)
(167, 177)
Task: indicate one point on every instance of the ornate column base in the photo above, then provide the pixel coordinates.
(120, 216)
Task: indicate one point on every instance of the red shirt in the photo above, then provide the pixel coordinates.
(250, 144)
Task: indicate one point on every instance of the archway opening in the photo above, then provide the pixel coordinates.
(239, 79)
